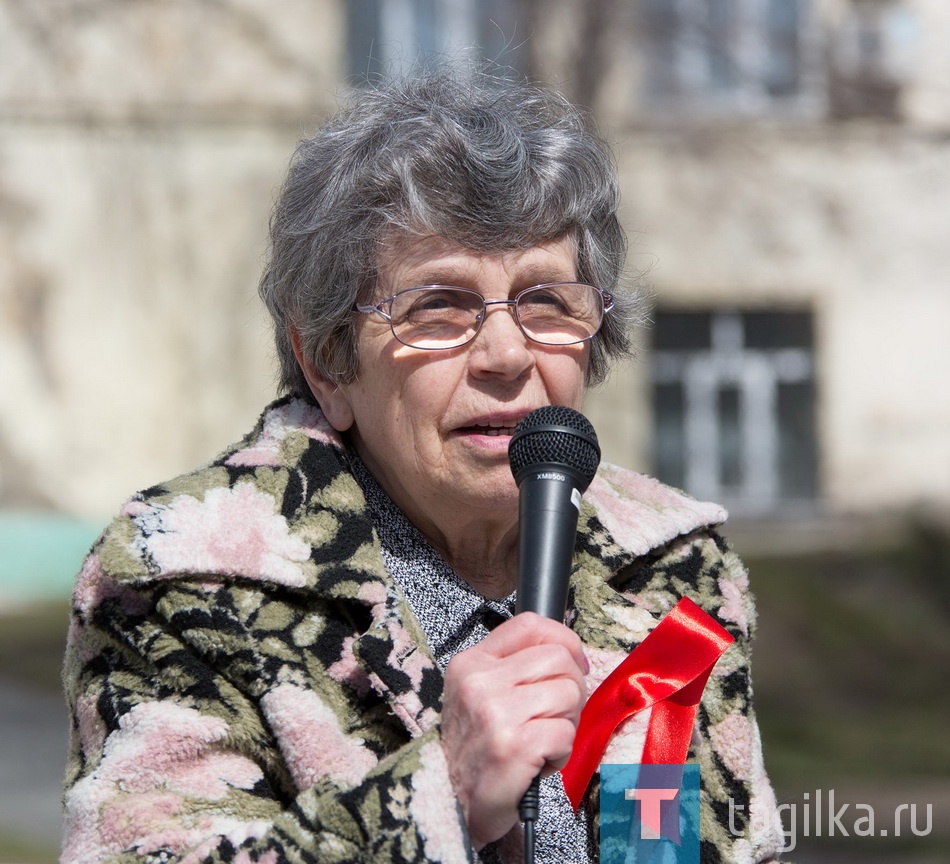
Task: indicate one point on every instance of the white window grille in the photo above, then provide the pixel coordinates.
(734, 406)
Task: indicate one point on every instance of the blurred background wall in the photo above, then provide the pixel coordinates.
(786, 184)
(785, 175)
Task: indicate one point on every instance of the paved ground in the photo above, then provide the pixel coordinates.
(33, 733)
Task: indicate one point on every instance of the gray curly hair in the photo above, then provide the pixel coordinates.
(487, 162)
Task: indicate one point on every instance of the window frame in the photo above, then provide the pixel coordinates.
(687, 86)
(757, 375)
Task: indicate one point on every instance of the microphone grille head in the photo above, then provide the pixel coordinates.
(556, 436)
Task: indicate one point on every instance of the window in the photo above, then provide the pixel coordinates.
(389, 36)
(728, 56)
(734, 406)
(874, 52)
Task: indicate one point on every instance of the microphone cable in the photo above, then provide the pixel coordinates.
(528, 811)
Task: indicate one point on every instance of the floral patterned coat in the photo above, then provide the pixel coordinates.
(247, 683)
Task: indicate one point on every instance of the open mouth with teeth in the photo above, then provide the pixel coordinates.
(491, 431)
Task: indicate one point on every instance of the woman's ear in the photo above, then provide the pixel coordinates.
(332, 397)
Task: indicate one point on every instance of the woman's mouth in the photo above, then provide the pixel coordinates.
(503, 428)
(491, 430)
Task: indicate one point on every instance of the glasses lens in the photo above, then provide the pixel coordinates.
(561, 314)
(436, 316)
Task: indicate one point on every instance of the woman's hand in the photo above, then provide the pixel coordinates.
(510, 711)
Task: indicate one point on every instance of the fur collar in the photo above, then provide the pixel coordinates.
(283, 507)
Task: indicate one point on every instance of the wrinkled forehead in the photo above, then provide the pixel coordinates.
(405, 260)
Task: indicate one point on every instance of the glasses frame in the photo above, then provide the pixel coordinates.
(512, 303)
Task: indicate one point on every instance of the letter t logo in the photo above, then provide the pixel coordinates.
(651, 813)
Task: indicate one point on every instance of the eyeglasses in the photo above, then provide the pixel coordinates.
(437, 317)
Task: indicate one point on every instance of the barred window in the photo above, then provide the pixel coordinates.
(390, 37)
(734, 406)
(729, 56)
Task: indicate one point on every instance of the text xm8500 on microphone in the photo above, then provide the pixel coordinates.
(553, 454)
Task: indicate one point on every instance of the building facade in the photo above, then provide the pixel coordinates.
(786, 185)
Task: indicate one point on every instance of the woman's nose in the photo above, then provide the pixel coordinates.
(500, 347)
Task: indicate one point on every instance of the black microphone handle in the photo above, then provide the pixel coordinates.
(548, 508)
(548, 511)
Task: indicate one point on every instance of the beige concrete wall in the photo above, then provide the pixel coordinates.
(850, 219)
(131, 339)
(203, 58)
(927, 100)
(852, 224)
(140, 147)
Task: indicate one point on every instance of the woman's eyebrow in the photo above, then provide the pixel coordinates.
(440, 274)
(466, 277)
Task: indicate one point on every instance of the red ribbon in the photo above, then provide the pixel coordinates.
(667, 671)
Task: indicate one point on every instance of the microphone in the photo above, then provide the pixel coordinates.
(553, 455)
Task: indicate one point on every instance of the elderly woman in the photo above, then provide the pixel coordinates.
(306, 650)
